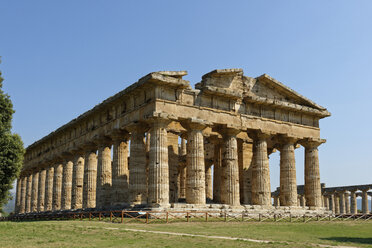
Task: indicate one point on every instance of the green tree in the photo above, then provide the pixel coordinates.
(11, 148)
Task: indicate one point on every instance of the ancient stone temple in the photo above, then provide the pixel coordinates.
(159, 144)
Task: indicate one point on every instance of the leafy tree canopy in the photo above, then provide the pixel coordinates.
(11, 148)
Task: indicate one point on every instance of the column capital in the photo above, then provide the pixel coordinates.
(119, 135)
(195, 124)
(228, 131)
(89, 147)
(102, 141)
(139, 127)
(310, 143)
(259, 135)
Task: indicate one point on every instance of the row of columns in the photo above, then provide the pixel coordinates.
(345, 202)
(87, 179)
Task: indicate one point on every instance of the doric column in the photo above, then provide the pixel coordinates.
(173, 161)
(230, 168)
(34, 193)
(22, 207)
(104, 175)
(353, 203)
(57, 186)
(182, 193)
(276, 201)
(347, 203)
(365, 201)
(288, 185)
(120, 170)
(342, 202)
(28, 193)
(77, 180)
(90, 176)
(326, 202)
(245, 157)
(195, 178)
(261, 192)
(158, 194)
(332, 202)
(208, 180)
(137, 166)
(48, 206)
(41, 191)
(337, 204)
(217, 175)
(67, 183)
(18, 196)
(313, 191)
(302, 201)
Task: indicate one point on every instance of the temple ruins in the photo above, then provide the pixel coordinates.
(160, 144)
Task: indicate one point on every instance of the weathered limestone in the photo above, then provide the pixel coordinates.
(104, 175)
(261, 193)
(173, 163)
(90, 177)
(332, 205)
(18, 196)
(230, 168)
(48, 206)
(77, 182)
(353, 203)
(313, 191)
(342, 203)
(302, 201)
(137, 166)
(158, 188)
(208, 181)
(365, 202)
(34, 193)
(41, 190)
(217, 171)
(337, 204)
(182, 193)
(276, 201)
(288, 185)
(347, 203)
(22, 207)
(120, 170)
(66, 184)
(195, 173)
(28, 193)
(57, 187)
(245, 157)
(326, 202)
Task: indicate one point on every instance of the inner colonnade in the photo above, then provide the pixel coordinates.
(153, 145)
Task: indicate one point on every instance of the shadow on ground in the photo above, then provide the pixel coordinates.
(350, 240)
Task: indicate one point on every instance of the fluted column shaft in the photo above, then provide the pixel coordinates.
(313, 191)
(342, 202)
(182, 190)
(337, 204)
(48, 206)
(288, 184)
(77, 182)
(137, 167)
(365, 202)
(173, 161)
(217, 175)
(195, 173)
(230, 168)
(104, 176)
(67, 184)
(90, 178)
(347, 203)
(18, 196)
(28, 193)
(41, 191)
(22, 207)
(261, 192)
(276, 201)
(353, 203)
(332, 202)
(34, 193)
(57, 186)
(120, 172)
(208, 181)
(158, 164)
(302, 201)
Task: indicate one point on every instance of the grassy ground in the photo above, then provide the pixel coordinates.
(103, 234)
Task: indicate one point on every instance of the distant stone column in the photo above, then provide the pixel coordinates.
(49, 189)
(41, 191)
(137, 166)
(104, 175)
(288, 184)
(34, 193)
(230, 168)
(326, 202)
(313, 192)
(158, 188)
(195, 179)
(28, 193)
(302, 201)
(332, 202)
(261, 191)
(90, 176)
(18, 196)
(276, 201)
(337, 204)
(217, 171)
(183, 152)
(365, 201)
(245, 157)
(208, 180)
(173, 162)
(353, 203)
(22, 207)
(342, 202)
(67, 184)
(57, 186)
(347, 203)
(120, 170)
(77, 180)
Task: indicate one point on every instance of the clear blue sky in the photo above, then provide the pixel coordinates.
(60, 58)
